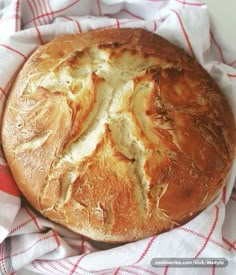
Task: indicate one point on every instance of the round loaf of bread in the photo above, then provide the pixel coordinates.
(117, 134)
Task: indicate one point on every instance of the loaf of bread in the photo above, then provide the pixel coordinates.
(117, 134)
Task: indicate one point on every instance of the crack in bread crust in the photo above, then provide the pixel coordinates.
(117, 128)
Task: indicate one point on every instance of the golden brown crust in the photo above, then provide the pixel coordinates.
(117, 134)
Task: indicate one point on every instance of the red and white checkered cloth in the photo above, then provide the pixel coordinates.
(30, 244)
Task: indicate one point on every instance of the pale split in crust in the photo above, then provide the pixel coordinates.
(117, 134)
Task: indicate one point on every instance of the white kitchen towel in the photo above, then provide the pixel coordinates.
(31, 242)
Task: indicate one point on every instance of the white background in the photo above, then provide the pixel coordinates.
(223, 12)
